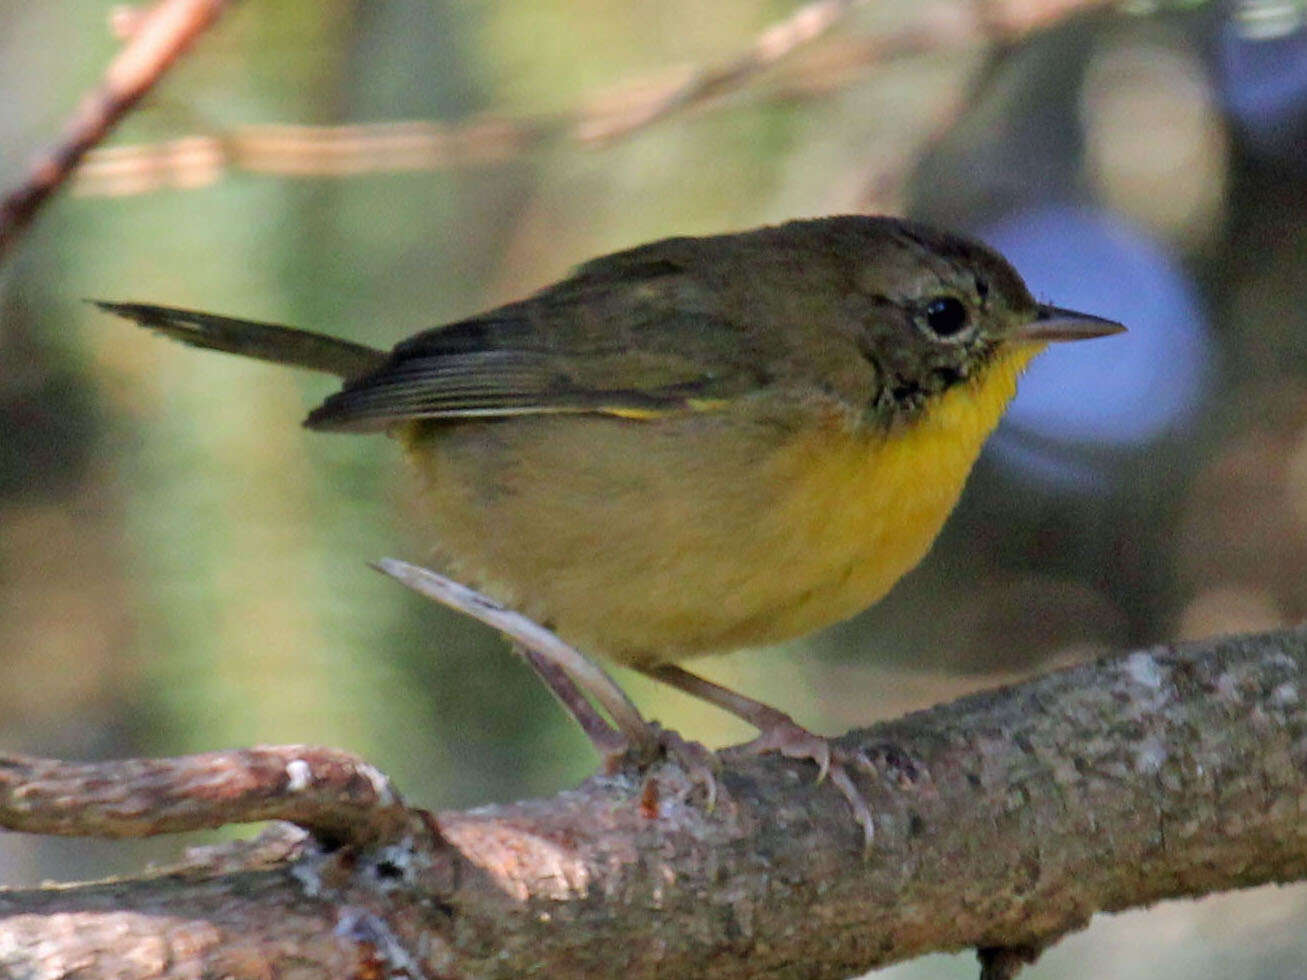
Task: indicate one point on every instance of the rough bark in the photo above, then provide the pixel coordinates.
(1004, 820)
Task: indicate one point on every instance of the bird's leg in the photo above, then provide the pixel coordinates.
(571, 676)
(564, 669)
(611, 744)
(778, 732)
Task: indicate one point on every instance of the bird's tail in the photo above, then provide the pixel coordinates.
(265, 341)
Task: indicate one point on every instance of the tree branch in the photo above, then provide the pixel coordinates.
(329, 793)
(155, 40)
(805, 25)
(601, 119)
(1004, 820)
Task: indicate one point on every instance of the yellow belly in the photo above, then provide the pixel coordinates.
(656, 541)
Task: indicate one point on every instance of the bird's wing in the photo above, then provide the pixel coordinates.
(622, 337)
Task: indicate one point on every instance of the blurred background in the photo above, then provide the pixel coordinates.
(183, 568)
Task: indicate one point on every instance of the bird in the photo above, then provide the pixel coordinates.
(695, 445)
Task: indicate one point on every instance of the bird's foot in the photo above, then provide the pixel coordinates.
(700, 763)
(575, 680)
(792, 740)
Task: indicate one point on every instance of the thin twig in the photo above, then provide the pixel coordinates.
(332, 794)
(581, 669)
(199, 160)
(805, 25)
(156, 41)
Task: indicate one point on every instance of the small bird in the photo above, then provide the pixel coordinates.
(698, 444)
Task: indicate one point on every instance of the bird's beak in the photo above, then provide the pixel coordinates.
(1055, 323)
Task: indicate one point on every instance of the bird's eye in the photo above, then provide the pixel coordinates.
(946, 316)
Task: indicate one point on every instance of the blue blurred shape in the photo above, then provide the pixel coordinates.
(1260, 54)
(1106, 394)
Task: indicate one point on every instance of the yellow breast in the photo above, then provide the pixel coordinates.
(866, 509)
(657, 541)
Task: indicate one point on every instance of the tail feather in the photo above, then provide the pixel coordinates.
(264, 341)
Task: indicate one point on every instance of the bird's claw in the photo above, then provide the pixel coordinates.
(795, 742)
(700, 763)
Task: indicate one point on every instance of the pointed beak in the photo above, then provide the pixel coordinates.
(1055, 323)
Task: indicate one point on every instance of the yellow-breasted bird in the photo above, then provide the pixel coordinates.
(698, 444)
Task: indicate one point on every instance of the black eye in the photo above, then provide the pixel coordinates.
(946, 316)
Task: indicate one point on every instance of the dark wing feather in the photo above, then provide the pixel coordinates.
(635, 342)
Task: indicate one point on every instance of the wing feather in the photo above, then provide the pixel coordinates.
(633, 344)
